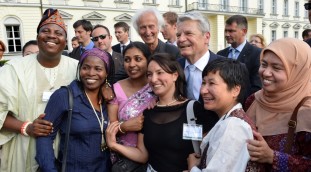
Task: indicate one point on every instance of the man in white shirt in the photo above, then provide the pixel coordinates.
(26, 86)
(193, 36)
(169, 29)
(121, 31)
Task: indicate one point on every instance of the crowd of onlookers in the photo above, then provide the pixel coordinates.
(154, 105)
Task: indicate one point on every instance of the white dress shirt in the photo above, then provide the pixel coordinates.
(200, 65)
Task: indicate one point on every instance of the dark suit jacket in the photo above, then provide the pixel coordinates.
(118, 67)
(75, 53)
(211, 116)
(250, 57)
(117, 60)
(117, 48)
(167, 48)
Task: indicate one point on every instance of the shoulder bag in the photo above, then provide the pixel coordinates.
(191, 120)
(292, 123)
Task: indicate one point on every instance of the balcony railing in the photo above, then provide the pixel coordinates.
(224, 8)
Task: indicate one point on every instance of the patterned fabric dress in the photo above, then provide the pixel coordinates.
(129, 108)
(298, 160)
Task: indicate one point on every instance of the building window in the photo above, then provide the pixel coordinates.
(13, 34)
(202, 4)
(174, 2)
(285, 34)
(296, 9)
(122, 1)
(243, 5)
(285, 8)
(260, 5)
(296, 34)
(224, 5)
(273, 7)
(14, 38)
(273, 35)
(150, 1)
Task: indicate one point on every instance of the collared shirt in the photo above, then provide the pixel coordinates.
(174, 43)
(200, 65)
(88, 47)
(85, 131)
(123, 46)
(239, 48)
(127, 43)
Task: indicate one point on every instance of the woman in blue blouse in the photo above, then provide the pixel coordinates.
(89, 119)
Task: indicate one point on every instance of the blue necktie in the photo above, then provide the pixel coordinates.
(234, 53)
(190, 82)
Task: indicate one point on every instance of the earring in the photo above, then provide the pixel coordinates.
(107, 84)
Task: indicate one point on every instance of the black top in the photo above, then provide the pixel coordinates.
(163, 131)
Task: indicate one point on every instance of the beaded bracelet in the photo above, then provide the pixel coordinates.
(24, 127)
(120, 127)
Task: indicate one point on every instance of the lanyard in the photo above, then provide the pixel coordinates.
(103, 145)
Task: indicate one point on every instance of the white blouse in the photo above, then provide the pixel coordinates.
(227, 149)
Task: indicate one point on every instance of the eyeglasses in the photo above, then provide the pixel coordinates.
(100, 36)
(308, 6)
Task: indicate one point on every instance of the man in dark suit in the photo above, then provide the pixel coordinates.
(193, 35)
(121, 31)
(147, 23)
(102, 40)
(83, 29)
(241, 50)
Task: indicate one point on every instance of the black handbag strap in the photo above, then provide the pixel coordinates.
(70, 102)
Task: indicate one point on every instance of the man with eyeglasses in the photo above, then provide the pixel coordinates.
(102, 40)
(83, 30)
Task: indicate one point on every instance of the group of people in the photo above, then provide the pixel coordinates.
(136, 106)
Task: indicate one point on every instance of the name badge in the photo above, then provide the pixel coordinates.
(46, 95)
(192, 132)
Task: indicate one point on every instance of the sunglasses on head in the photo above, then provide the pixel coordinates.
(100, 36)
(308, 6)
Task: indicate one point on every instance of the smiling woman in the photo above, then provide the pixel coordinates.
(286, 74)
(89, 121)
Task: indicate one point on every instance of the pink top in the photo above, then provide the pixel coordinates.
(131, 107)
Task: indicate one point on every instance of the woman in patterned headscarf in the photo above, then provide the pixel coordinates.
(87, 150)
(285, 73)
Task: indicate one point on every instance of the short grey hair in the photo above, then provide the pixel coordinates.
(203, 23)
(140, 14)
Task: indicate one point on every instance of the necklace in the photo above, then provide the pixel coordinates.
(103, 145)
(170, 103)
